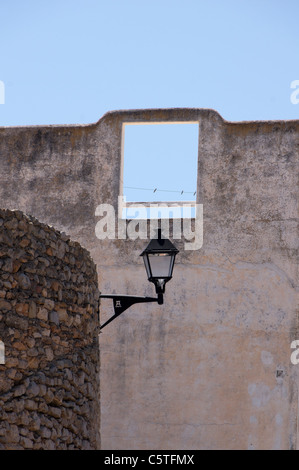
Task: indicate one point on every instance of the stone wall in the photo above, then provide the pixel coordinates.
(49, 384)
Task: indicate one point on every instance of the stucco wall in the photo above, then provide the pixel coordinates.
(211, 367)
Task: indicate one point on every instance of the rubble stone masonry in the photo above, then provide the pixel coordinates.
(49, 364)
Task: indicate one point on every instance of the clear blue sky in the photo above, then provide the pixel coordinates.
(70, 61)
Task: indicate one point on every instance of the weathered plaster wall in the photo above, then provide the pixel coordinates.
(211, 368)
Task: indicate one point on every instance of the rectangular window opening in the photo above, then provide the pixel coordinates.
(159, 170)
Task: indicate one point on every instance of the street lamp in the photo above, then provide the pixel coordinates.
(159, 257)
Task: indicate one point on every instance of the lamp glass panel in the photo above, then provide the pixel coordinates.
(161, 265)
(147, 266)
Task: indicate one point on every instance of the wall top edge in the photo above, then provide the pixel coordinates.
(156, 115)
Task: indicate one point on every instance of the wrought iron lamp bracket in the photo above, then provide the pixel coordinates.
(123, 302)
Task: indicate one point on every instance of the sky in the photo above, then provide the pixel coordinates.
(71, 61)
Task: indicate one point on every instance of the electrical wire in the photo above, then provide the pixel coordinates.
(161, 190)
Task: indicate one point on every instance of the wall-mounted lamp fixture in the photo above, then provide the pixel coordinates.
(158, 257)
